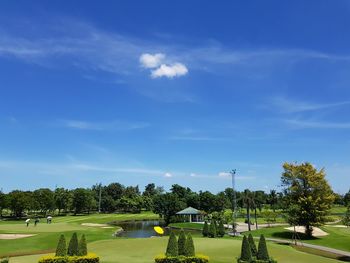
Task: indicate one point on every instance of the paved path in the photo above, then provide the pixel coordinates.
(322, 248)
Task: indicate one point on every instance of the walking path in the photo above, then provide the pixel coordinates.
(322, 248)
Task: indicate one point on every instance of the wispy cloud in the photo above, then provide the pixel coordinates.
(310, 124)
(293, 106)
(115, 125)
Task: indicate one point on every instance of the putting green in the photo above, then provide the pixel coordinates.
(144, 250)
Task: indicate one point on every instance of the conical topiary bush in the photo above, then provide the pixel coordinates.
(61, 250)
(190, 250)
(82, 247)
(182, 243)
(212, 229)
(246, 254)
(221, 229)
(205, 231)
(73, 246)
(172, 248)
(263, 254)
(252, 245)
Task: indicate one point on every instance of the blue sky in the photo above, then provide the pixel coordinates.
(153, 91)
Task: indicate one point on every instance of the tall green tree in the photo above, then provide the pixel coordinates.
(252, 245)
(44, 200)
(62, 199)
(61, 249)
(307, 190)
(167, 205)
(82, 246)
(212, 229)
(273, 199)
(346, 218)
(190, 250)
(205, 230)
(248, 201)
(73, 245)
(3, 202)
(172, 249)
(246, 254)
(221, 229)
(262, 254)
(18, 202)
(182, 243)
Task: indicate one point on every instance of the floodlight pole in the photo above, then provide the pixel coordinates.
(234, 215)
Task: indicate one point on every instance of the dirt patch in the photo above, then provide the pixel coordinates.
(14, 236)
(317, 232)
(94, 225)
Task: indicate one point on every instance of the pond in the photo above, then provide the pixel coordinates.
(141, 229)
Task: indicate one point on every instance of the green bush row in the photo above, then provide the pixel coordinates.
(181, 259)
(89, 258)
(4, 260)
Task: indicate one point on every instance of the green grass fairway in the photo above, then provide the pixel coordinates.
(338, 238)
(46, 235)
(219, 251)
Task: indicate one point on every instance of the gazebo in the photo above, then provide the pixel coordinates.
(193, 214)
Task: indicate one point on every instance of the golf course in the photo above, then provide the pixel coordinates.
(99, 234)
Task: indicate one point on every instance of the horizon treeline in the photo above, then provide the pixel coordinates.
(116, 197)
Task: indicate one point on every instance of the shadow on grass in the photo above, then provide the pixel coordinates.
(290, 235)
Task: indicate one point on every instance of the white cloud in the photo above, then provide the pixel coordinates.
(168, 175)
(115, 125)
(151, 61)
(224, 174)
(170, 71)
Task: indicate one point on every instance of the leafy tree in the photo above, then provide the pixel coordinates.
(3, 202)
(44, 200)
(131, 204)
(212, 229)
(150, 190)
(221, 229)
(73, 245)
(182, 243)
(62, 199)
(18, 202)
(189, 250)
(346, 218)
(263, 254)
(115, 190)
(246, 254)
(273, 199)
(248, 201)
(207, 201)
(205, 231)
(167, 205)
(347, 199)
(252, 245)
(307, 189)
(82, 247)
(61, 249)
(269, 216)
(172, 248)
(80, 201)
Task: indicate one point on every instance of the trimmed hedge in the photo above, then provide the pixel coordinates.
(4, 260)
(181, 259)
(89, 258)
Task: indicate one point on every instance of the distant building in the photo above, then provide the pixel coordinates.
(192, 214)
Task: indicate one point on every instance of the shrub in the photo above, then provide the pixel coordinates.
(246, 254)
(221, 229)
(82, 247)
(73, 246)
(252, 245)
(263, 254)
(172, 249)
(212, 229)
(181, 259)
(182, 243)
(89, 258)
(4, 260)
(205, 231)
(190, 250)
(61, 249)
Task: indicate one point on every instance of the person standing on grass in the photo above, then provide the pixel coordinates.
(36, 221)
(27, 222)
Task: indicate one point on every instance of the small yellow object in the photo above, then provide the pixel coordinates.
(159, 230)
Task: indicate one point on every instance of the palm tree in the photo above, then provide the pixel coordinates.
(273, 199)
(257, 202)
(247, 201)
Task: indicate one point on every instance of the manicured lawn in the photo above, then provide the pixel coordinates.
(46, 235)
(187, 225)
(219, 251)
(338, 238)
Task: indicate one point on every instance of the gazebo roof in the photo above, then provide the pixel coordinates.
(189, 211)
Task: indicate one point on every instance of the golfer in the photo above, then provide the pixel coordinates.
(27, 222)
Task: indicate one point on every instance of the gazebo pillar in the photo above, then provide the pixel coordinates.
(190, 218)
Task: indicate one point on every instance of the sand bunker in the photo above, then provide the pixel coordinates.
(13, 236)
(340, 226)
(316, 231)
(94, 225)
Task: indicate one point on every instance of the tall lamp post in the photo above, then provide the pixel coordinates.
(234, 215)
